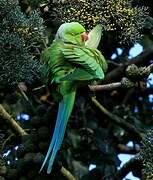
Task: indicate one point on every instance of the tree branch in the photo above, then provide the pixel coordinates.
(114, 85)
(132, 164)
(121, 148)
(3, 168)
(138, 60)
(12, 122)
(67, 174)
(150, 68)
(133, 132)
(105, 86)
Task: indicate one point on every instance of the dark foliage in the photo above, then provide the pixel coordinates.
(92, 137)
(146, 155)
(20, 42)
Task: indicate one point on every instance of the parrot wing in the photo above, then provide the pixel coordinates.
(77, 75)
(84, 58)
(94, 37)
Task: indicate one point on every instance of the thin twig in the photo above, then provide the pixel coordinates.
(150, 68)
(38, 88)
(114, 63)
(105, 86)
(3, 146)
(121, 148)
(22, 92)
(22, 87)
(67, 174)
(12, 122)
(133, 132)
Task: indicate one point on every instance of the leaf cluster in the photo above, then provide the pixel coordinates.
(119, 17)
(146, 152)
(20, 40)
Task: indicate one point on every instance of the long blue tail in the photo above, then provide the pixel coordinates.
(64, 111)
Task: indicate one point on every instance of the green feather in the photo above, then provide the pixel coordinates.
(84, 58)
(77, 75)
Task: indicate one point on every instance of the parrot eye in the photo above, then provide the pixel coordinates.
(74, 34)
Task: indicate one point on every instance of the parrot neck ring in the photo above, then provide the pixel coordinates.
(84, 36)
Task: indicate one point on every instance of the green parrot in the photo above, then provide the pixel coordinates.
(72, 59)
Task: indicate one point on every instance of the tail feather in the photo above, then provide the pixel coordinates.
(64, 111)
(57, 144)
(55, 134)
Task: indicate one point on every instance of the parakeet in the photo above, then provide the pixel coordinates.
(72, 59)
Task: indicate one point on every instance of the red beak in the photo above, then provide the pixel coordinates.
(84, 36)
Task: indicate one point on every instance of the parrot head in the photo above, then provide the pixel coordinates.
(72, 32)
